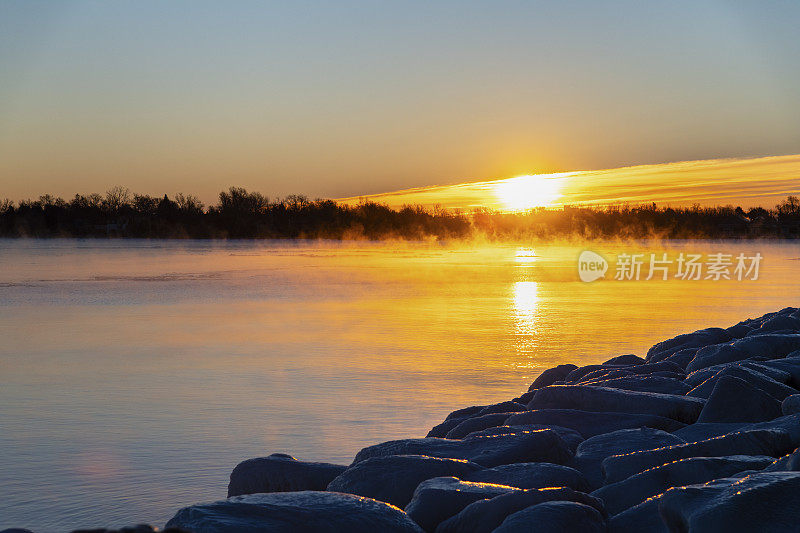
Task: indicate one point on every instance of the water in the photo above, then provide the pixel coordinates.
(134, 375)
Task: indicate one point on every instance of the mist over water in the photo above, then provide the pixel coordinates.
(134, 375)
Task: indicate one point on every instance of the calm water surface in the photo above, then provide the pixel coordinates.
(134, 375)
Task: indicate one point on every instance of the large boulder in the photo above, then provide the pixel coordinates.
(635, 489)
(280, 473)
(639, 519)
(735, 400)
(532, 476)
(769, 442)
(764, 501)
(551, 375)
(477, 423)
(600, 399)
(440, 498)
(790, 365)
(753, 377)
(697, 339)
(637, 383)
(589, 423)
(592, 452)
(760, 369)
(770, 345)
(454, 419)
(484, 516)
(392, 479)
(571, 437)
(791, 405)
(625, 360)
(294, 512)
(554, 517)
(494, 450)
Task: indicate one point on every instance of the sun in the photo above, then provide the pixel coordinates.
(526, 192)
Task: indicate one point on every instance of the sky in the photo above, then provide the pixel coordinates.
(343, 99)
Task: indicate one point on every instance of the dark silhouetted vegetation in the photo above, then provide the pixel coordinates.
(243, 214)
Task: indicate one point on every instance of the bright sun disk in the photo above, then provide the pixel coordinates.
(526, 192)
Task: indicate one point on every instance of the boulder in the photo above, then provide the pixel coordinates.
(571, 437)
(392, 479)
(280, 473)
(551, 375)
(626, 360)
(770, 442)
(639, 519)
(635, 489)
(589, 424)
(735, 400)
(777, 323)
(650, 383)
(294, 512)
(600, 399)
(697, 339)
(787, 463)
(532, 476)
(790, 365)
(764, 501)
(705, 431)
(492, 450)
(771, 346)
(645, 369)
(502, 407)
(440, 498)
(775, 389)
(760, 368)
(791, 405)
(440, 430)
(477, 423)
(592, 452)
(484, 516)
(554, 517)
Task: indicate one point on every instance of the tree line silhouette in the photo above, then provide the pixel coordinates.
(243, 214)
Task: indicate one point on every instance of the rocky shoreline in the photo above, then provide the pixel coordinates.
(701, 435)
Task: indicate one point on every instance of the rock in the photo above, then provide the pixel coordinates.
(554, 517)
(477, 423)
(639, 519)
(280, 473)
(466, 411)
(502, 407)
(141, 528)
(484, 516)
(787, 463)
(770, 442)
(18, 530)
(700, 431)
(777, 323)
(635, 489)
(444, 428)
(393, 478)
(765, 501)
(571, 437)
(599, 399)
(657, 384)
(790, 366)
(646, 369)
(698, 339)
(294, 512)
(551, 375)
(591, 452)
(773, 346)
(589, 424)
(532, 476)
(440, 498)
(777, 390)
(627, 359)
(791, 404)
(759, 369)
(534, 446)
(734, 400)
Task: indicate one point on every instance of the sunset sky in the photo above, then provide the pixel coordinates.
(345, 99)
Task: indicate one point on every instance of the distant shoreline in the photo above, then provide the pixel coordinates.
(250, 215)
